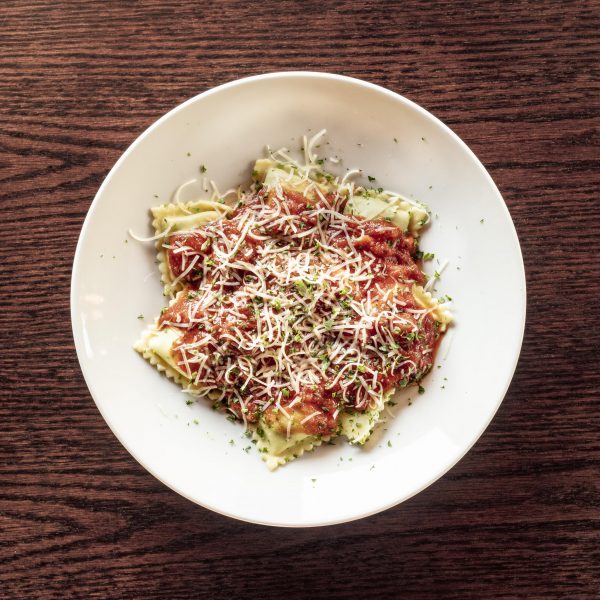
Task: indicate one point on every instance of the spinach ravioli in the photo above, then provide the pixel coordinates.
(298, 306)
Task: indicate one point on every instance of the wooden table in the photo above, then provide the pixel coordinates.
(517, 517)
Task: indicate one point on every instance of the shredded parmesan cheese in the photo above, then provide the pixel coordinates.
(292, 307)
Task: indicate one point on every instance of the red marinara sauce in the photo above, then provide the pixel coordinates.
(394, 252)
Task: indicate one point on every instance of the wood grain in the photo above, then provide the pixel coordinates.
(519, 517)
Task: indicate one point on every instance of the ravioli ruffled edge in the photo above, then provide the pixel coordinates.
(292, 449)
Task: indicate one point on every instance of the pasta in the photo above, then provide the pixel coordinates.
(299, 308)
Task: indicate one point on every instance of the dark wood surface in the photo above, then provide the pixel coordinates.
(518, 517)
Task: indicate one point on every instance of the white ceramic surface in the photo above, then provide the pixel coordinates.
(196, 451)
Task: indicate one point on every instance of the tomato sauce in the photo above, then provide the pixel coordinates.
(414, 338)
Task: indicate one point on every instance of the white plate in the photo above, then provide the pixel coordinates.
(226, 129)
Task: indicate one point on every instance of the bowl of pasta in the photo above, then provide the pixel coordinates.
(288, 301)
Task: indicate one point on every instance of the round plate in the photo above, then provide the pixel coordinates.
(116, 292)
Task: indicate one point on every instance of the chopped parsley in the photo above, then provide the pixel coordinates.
(293, 306)
(302, 287)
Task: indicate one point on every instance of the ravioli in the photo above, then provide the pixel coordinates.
(171, 218)
(299, 310)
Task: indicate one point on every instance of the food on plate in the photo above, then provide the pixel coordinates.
(298, 306)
